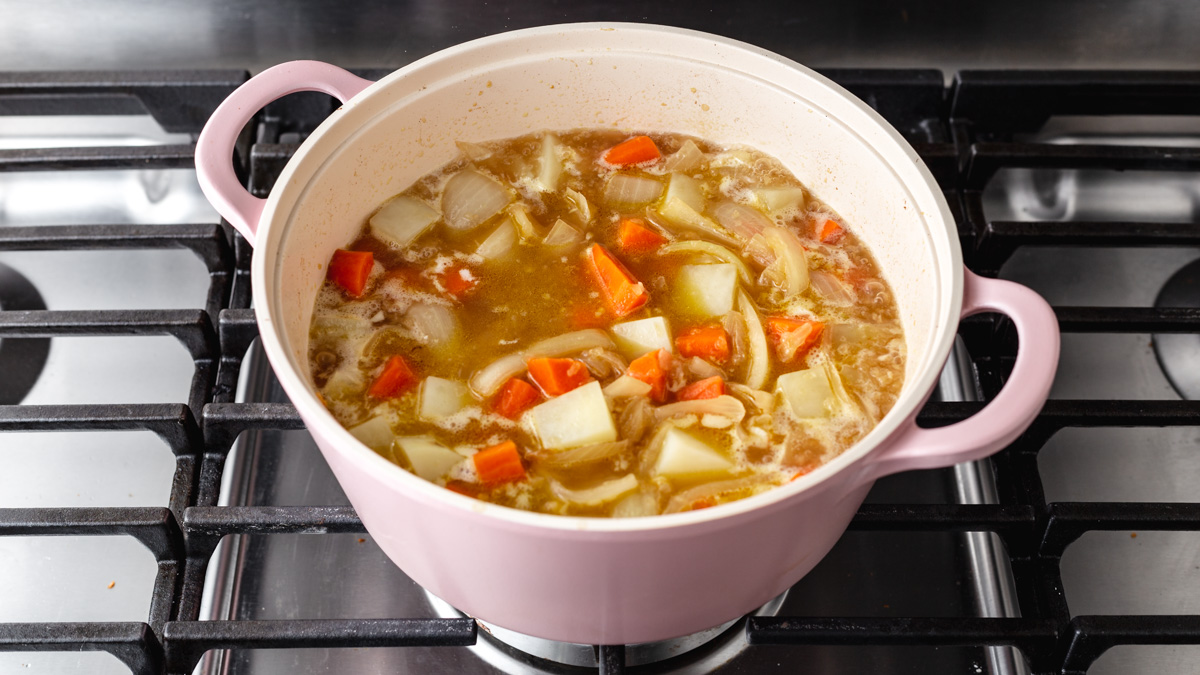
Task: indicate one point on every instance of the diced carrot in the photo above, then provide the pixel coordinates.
(830, 232)
(636, 150)
(458, 281)
(652, 369)
(804, 471)
(515, 396)
(709, 387)
(395, 379)
(793, 336)
(704, 503)
(350, 270)
(634, 237)
(557, 376)
(499, 463)
(623, 293)
(709, 342)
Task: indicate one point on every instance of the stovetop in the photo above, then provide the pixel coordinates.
(160, 517)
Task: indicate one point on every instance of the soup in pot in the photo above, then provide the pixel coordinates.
(588, 323)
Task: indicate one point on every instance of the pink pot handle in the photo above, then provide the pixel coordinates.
(214, 148)
(1012, 411)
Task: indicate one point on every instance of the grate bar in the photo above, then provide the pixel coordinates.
(172, 422)
(94, 158)
(1090, 636)
(224, 421)
(1070, 520)
(937, 631)
(192, 327)
(206, 240)
(985, 158)
(132, 643)
(154, 527)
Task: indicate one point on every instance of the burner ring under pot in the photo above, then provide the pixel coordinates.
(1179, 353)
(21, 359)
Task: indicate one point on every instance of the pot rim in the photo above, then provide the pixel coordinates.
(914, 394)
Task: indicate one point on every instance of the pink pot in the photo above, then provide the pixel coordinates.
(632, 580)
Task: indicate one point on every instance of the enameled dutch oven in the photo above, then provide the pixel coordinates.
(615, 581)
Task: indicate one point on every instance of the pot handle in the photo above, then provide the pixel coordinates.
(1013, 409)
(214, 147)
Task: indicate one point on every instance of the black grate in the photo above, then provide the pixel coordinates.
(965, 133)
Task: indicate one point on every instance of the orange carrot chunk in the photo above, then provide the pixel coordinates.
(458, 281)
(793, 337)
(395, 379)
(499, 463)
(652, 369)
(557, 376)
(634, 237)
(515, 396)
(709, 387)
(830, 232)
(636, 150)
(623, 293)
(350, 269)
(707, 342)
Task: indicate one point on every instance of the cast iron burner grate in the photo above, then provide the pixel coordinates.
(965, 133)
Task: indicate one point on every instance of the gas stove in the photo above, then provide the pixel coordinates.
(163, 511)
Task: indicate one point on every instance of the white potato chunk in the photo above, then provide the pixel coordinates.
(345, 381)
(578, 417)
(707, 289)
(375, 433)
(683, 454)
(807, 392)
(550, 166)
(776, 199)
(441, 398)
(686, 189)
(429, 459)
(402, 220)
(635, 338)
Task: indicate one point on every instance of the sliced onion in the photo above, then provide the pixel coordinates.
(744, 221)
(488, 380)
(739, 337)
(764, 401)
(579, 205)
(625, 386)
(499, 242)
(527, 228)
(581, 455)
(625, 190)
(550, 166)
(604, 492)
(431, 324)
(700, 369)
(678, 213)
(789, 272)
(831, 288)
(473, 151)
(715, 250)
(725, 406)
(758, 250)
(563, 234)
(685, 499)
(759, 365)
(635, 419)
(402, 219)
(470, 198)
(685, 158)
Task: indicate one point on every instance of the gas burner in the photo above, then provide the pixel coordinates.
(1179, 354)
(21, 359)
(699, 652)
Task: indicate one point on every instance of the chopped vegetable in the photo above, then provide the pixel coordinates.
(652, 369)
(634, 237)
(686, 158)
(433, 325)
(830, 232)
(395, 378)
(759, 359)
(706, 290)
(635, 505)
(562, 234)
(709, 342)
(473, 151)
(429, 459)
(458, 281)
(579, 205)
(604, 492)
(711, 387)
(470, 198)
(488, 379)
(623, 293)
(578, 417)
(686, 189)
(557, 376)
(831, 288)
(710, 494)
(776, 199)
(676, 212)
(499, 242)
(793, 336)
(744, 221)
(638, 337)
(439, 398)
(715, 250)
(789, 272)
(550, 166)
(807, 392)
(515, 396)
(722, 406)
(351, 269)
(375, 433)
(499, 464)
(401, 220)
(683, 454)
(625, 386)
(528, 229)
(637, 150)
(345, 381)
(582, 455)
(623, 190)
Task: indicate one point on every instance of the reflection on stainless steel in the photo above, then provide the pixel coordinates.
(1179, 355)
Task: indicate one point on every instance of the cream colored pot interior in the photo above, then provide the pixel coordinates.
(406, 126)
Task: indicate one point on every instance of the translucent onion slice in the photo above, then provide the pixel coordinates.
(739, 337)
(562, 234)
(678, 213)
(625, 190)
(831, 288)
(550, 166)
(700, 369)
(789, 272)
(527, 228)
(402, 219)
(488, 380)
(686, 158)
(581, 455)
(431, 324)
(470, 198)
(725, 406)
(605, 492)
(715, 250)
(687, 498)
(579, 205)
(625, 386)
(759, 357)
(499, 242)
(744, 221)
